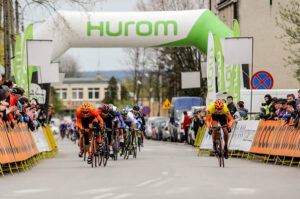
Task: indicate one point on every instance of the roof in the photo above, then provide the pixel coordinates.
(83, 80)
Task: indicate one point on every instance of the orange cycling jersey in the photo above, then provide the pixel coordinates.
(84, 122)
(212, 111)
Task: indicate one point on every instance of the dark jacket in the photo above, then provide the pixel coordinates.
(232, 108)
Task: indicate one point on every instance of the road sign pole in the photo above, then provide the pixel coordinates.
(251, 97)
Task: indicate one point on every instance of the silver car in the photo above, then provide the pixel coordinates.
(149, 127)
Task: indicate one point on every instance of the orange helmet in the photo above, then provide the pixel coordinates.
(85, 108)
(219, 104)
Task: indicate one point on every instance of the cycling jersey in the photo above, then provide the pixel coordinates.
(119, 119)
(84, 122)
(223, 117)
(139, 118)
(130, 119)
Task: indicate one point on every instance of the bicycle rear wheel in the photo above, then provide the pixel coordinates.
(221, 154)
(92, 152)
(105, 151)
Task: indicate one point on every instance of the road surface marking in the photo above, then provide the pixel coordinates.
(124, 195)
(147, 182)
(242, 191)
(94, 191)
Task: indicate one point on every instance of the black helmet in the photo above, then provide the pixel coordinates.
(136, 108)
(124, 112)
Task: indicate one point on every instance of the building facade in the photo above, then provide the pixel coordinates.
(74, 91)
(257, 19)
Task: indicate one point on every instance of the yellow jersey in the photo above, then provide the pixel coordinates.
(212, 110)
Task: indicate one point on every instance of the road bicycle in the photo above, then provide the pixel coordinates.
(219, 149)
(103, 149)
(130, 147)
(94, 146)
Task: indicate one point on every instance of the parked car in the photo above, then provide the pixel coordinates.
(159, 125)
(165, 131)
(149, 126)
(178, 105)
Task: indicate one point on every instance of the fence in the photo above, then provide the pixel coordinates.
(268, 140)
(21, 149)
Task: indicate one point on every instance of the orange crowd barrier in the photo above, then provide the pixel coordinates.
(16, 144)
(276, 138)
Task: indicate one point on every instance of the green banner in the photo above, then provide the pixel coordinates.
(22, 78)
(219, 63)
(235, 83)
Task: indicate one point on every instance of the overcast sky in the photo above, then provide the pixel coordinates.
(89, 58)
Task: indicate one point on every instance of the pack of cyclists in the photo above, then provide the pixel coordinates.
(107, 119)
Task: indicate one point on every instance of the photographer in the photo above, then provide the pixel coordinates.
(267, 109)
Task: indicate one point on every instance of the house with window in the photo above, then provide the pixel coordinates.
(76, 90)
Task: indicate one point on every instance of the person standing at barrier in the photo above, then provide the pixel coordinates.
(290, 113)
(297, 118)
(298, 98)
(232, 108)
(186, 125)
(267, 109)
(196, 122)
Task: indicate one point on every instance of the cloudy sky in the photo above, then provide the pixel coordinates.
(89, 58)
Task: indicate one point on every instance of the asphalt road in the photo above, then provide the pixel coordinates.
(161, 170)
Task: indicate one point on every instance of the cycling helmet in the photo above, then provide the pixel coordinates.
(124, 112)
(113, 107)
(219, 104)
(105, 108)
(85, 108)
(136, 108)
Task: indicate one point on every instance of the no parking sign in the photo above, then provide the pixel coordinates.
(262, 80)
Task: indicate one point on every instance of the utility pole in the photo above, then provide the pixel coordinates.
(12, 29)
(6, 38)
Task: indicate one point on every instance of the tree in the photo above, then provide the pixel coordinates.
(54, 99)
(69, 66)
(111, 94)
(289, 22)
(124, 93)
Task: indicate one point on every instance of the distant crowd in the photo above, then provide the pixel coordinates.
(16, 107)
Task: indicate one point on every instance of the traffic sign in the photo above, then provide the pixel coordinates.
(166, 105)
(146, 110)
(262, 80)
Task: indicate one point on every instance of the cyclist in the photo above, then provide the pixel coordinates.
(218, 112)
(139, 116)
(108, 116)
(86, 115)
(130, 121)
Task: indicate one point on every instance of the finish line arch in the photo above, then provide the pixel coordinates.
(130, 29)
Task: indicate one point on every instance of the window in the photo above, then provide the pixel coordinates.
(62, 93)
(77, 93)
(94, 93)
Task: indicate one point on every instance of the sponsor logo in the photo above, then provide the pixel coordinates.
(142, 28)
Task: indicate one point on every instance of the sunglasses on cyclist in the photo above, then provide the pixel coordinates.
(219, 109)
(85, 112)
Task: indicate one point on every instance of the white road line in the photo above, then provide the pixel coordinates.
(147, 182)
(124, 195)
(28, 191)
(94, 191)
(165, 173)
(106, 195)
(242, 191)
(160, 183)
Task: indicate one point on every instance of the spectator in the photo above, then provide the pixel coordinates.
(197, 122)
(290, 113)
(241, 110)
(186, 125)
(282, 111)
(292, 98)
(278, 107)
(244, 109)
(297, 101)
(267, 109)
(296, 121)
(230, 105)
